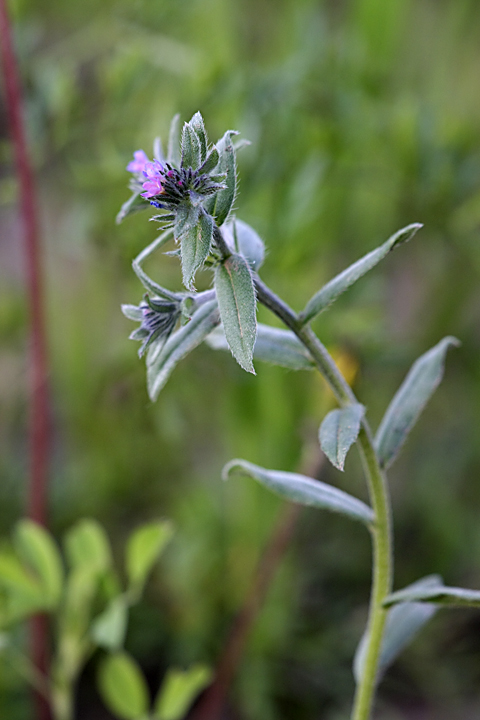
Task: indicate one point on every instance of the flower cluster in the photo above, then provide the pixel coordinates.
(158, 319)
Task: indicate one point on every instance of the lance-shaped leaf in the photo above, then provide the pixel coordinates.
(330, 292)
(173, 150)
(436, 593)
(199, 126)
(178, 346)
(303, 490)
(220, 204)
(179, 689)
(211, 161)
(191, 148)
(404, 622)
(243, 239)
(195, 242)
(237, 304)
(273, 345)
(338, 432)
(409, 401)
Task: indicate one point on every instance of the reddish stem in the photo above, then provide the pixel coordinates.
(39, 432)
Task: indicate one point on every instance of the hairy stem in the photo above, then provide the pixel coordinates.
(379, 498)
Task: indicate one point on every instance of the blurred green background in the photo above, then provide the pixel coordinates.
(364, 116)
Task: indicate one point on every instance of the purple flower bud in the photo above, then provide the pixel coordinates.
(154, 172)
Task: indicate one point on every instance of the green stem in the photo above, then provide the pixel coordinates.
(379, 497)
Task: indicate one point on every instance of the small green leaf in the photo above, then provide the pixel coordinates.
(404, 622)
(123, 687)
(144, 547)
(199, 126)
(303, 490)
(179, 690)
(330, 292)
(404, 410)
(38, 550)
(435, 593)
(109, 628)
(195, 242)
(220, 204)
(237, 304)
(338, 432)
(191, 148)
(272, 345)
(161, 363)
(22, 592)
(245, 240)
(173, 150)
(211, 161)
(87, 545)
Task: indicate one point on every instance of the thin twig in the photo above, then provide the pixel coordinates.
(39, 432)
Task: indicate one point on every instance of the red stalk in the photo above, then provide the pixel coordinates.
(39, 430)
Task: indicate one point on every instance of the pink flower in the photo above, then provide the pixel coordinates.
(153, 171)
(137, 165)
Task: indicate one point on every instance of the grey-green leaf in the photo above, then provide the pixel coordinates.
(245, 240)
(303, 490)
(338, 432)
(220, 204)
(272, 345)
(211, 161)
(195, 246)
(404, 622)
(436, 593)
(123, 687)
(237, 304)
(178, 691)
(191, 148)
(173, 150)
(161, 364)
(199, 126)
(330, 292)
(409, 401)
(109, 628)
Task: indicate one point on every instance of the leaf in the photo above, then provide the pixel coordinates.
(86, 545)
(237, 304)
(178, 345)
(199, 126)
(23, 595)
(144, 547)
(404, 622)
(273, 345)
(304, 490)
(38, 550)
(330, 292)
(173, 150)
(132, 312)
(243, 239)
(178, 691)
(191, 148)
(195, 242)
(338, 432)
(123, 687)
(404, 410)
(211, 161)
(220, 204)
(109, 628)
(435, 593)
(152, 286)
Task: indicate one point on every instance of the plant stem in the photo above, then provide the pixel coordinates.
(379, 497)
(40, 415)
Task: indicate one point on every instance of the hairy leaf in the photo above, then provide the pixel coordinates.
(195, 246)
(272, 345)
(409, 401)
(237, 304)
(199, 126)
(220, 204)
(404, 622)
(330, 292)
(245, 240)
(303, 490)
(173, 150)
(191, 148)
(161, 363)
(338, 432)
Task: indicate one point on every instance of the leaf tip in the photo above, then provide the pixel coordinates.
(405, 234)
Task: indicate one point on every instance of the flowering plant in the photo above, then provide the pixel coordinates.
(195, 189)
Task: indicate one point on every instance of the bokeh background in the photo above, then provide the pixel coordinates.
(364, 116)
